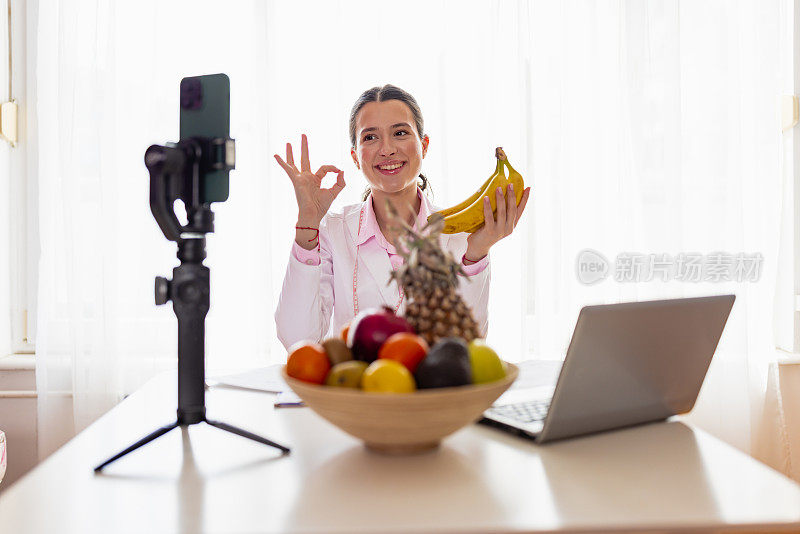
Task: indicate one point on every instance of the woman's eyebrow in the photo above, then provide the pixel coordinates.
(371, 128)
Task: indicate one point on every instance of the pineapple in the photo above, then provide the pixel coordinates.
(429, 278)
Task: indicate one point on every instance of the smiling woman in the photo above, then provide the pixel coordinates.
(389, 151)
(677, 147)
(388, 146)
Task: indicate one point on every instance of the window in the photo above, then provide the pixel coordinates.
(787, 302)
(19, 208)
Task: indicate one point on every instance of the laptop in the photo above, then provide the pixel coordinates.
(627, 364)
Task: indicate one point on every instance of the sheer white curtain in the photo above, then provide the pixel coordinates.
(656, 131)
(108, 76)
(643, 127)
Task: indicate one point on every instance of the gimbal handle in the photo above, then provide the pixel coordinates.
(166, 165)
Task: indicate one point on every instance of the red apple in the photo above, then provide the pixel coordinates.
(370, 329)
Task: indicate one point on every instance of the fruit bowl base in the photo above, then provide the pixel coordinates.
(414, 448)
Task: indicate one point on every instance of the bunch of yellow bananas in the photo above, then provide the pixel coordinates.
(467, 216)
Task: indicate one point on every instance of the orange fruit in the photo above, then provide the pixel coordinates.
(404, 347)
(345, 331)
(308, 362)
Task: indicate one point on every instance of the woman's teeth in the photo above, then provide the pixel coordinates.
(390, 169)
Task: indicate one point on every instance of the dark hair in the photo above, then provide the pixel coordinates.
(381, 94)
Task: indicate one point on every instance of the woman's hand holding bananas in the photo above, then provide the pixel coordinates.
(491, 213)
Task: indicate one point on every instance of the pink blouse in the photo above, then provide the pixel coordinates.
(371, 230)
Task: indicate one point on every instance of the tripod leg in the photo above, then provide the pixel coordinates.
(144, 441)
(246, 434)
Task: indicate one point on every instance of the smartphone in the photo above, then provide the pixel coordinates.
(206, 112)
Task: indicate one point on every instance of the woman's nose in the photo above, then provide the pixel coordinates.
(387, 147)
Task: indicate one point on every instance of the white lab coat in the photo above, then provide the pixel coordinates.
(312, 293)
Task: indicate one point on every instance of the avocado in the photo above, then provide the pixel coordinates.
(446, 365)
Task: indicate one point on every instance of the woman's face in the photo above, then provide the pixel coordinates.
(386, 136)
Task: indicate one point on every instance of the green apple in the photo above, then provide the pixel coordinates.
(486, 364)
(346, 374)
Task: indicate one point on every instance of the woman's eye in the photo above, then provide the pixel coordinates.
(368, 136)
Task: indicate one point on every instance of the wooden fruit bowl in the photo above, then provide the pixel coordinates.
(401, 423)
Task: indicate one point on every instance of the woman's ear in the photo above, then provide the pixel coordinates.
(355, 158)
(425, 141)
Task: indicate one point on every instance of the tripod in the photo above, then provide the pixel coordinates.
(175, 172)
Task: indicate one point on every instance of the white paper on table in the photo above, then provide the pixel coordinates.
(532, 374)
(536, 381)
(266, 379)
(537, 373)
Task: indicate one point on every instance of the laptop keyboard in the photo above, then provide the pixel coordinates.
(523, 412)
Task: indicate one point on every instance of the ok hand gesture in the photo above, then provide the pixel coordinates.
(313, 201)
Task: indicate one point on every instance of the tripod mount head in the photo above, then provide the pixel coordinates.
(176, 172)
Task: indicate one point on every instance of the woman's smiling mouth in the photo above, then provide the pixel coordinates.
(391, 168)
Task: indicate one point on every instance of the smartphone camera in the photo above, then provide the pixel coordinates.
(191, 93)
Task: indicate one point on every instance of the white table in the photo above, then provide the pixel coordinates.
(653, 477)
